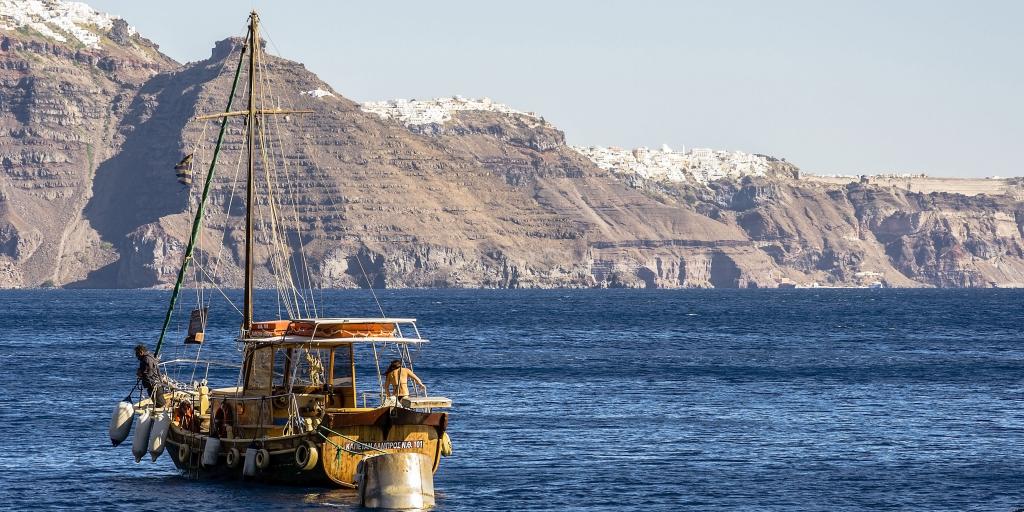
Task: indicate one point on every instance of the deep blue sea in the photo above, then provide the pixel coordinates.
(785, 400)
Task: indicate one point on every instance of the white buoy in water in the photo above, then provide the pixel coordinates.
(121, 422)
(141, 440)
(211, 451)
(158, 434)
(396, 481)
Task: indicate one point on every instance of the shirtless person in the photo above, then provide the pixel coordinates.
(396, 380)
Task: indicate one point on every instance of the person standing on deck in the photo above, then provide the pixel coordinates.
(396, 380)
(149, 374)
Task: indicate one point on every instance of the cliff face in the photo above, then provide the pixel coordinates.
(859, 234)
(59, 106)
(484, 198)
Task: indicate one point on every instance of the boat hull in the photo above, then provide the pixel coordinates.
(341, 441)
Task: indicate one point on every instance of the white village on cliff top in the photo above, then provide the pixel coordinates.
(58, 20)
(698, 164)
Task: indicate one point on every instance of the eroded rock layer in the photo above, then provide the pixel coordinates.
(482, 199)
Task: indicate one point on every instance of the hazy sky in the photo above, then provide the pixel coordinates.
(863, 86)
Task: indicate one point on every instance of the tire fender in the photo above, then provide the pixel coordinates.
(262, 458)
(234, 458)
(306, 456)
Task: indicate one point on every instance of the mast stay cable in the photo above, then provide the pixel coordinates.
(197, 221)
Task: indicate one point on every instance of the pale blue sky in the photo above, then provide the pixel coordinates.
(865, 86)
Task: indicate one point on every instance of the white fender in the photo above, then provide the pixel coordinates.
(141, 438)
(249, 467)
(158, 434)
(121, 422)
(210, 451)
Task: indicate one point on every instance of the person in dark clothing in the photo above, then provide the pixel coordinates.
(149, 374)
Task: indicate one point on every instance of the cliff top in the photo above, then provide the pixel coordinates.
(437, 110)
(65, 22)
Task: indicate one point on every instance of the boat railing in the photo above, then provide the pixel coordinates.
(382, 399)
(370, 394)
(207, 362)
(196, 364)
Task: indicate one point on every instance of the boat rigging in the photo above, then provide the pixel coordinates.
(295, 412)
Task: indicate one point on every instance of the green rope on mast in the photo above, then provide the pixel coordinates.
(197, 222)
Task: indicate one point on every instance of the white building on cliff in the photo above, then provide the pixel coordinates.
(700, 165)
(435, 111)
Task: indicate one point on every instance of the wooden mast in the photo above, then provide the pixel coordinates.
(250, 113)
(254, 41)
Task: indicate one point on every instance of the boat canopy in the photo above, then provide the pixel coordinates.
(306, 341)
(332, 331)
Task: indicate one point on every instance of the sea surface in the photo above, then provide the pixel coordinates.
(787, 400)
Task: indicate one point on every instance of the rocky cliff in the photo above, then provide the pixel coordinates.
(478, 199)
(484, 200)
(60, 102)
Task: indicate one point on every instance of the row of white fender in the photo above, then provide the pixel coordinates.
(150, 433)
(151, 436)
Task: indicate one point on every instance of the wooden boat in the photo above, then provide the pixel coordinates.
(295, 414)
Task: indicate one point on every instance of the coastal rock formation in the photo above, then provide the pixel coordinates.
(859, 234)
(491, 199)
(437, 193)
(64, 84)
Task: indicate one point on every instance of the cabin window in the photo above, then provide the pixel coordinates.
(342, 388)
(281, 365)
(260, 371)
(310, 367)
(342, 366)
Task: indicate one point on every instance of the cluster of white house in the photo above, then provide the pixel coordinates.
(57, 20)
(318, 93)
(880, 175)
(434, 111)
(697, 164)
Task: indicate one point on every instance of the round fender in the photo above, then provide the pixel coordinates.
(234, 458)
(184, 453)
(306, 456)
(446, 445)
(262, 458)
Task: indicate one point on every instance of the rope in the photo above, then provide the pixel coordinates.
(217, 287)
(337, 448)
(197, 222)
(380, 381)
(291, 192)
(369, 285)
(353, 441)
(330, 197)
(272, 182)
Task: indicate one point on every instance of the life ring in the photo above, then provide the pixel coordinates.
(306, 456)
(262, 458)
(222, 420)
(233, 458)
(185, 416)
(184, 453)
(281, 401)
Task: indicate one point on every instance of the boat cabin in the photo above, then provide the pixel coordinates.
(296, 370)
